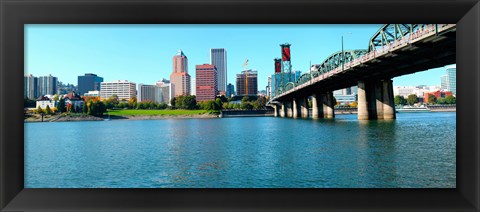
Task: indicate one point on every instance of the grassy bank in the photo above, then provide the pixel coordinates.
(155, 112)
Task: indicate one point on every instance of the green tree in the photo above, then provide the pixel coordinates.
(96, 108)
(440, 101)
(450, 100)
(132, 103)
(223, 98)
(173, 101)
(261, 103)
(246, 105)
(432, 99)
(225, 105)
(85, 109)
(56, 97)
(48, 111)
(162, 106)
(61, 105)
(399, 100)
(245, 99)
(39, 110)
(218, 101)
(189, 102)
(412, 99)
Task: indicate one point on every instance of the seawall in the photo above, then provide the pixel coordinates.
(245, 113)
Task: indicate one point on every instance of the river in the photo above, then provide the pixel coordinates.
(417, 150)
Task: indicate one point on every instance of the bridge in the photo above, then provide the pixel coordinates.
(394, 50)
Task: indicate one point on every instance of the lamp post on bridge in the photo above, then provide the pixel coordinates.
(343, 52)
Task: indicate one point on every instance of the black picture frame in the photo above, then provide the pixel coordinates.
(14, 14)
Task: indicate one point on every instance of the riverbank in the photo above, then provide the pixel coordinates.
(61, 118)
(124, 115)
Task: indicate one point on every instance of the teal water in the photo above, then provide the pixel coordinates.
(417, 150)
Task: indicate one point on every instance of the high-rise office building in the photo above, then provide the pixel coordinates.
(218, 58)
(230, 90)
(46, 85)
(30, 87)
(122, 88)
(444, 82)
(149, 93)
(451, 75)
(247, 83)
(193, 86)
(89, 82)
(180, 77)
(167, 90)
(269, 86)
(206, 82)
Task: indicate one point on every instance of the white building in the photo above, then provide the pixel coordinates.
(122, 88)
(420, 91)
(149, 93)
(449, 80)
(74, 99)
(43, 101)
(92, 93)
(193, 88)
(167, 90)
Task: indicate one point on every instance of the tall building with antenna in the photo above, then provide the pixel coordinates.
(180, 79)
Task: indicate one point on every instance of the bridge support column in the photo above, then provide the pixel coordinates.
(375, 100)
(275, 110)
(378, 99)
(295, 108)
(362, 106)
(328, 111)
(388, 100)
(283, 109)
(317, 105)
(304, 107)
(289, 112)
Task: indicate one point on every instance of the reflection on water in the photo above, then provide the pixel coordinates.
(416, 150)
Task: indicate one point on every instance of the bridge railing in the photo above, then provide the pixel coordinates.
(420, 33)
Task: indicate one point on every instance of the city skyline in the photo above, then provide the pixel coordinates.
(141, 53)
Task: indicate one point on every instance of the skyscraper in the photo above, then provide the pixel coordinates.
(46, 85)
(230, 90)
(167, 90)
(247, 83)
(218, 58)
(206, 82)
(452, 78)
(89, 82)
(193, 86)
(30, 87)
(180, 77)
(269, 86)
(444, 82)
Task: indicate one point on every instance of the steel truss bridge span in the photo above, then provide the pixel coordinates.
(394, 50)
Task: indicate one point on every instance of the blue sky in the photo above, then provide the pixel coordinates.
(143, 53)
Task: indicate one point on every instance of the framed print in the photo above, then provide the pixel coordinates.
(239, 105)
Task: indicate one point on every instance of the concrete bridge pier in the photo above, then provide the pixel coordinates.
(304, 107)
(317, 105)
(375, 100)
(388, 100)
(362, 106)
(289, 112)
(328, 105)
(296, 107)
(283, 109)
(275, 110)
